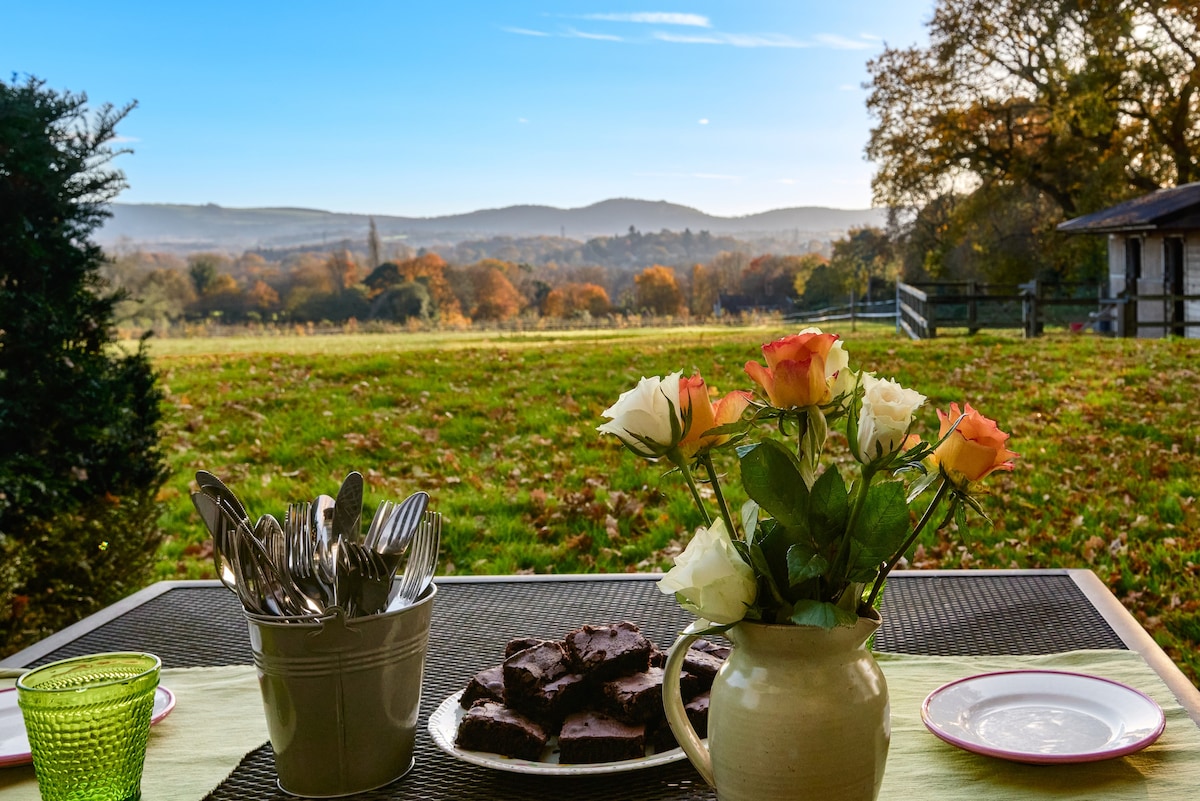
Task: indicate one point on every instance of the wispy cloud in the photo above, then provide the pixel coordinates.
(842, 42)
(734, 39)
(526, 32)
(602, 37)
(654, 18)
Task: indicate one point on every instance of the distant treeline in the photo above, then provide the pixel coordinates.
(664, 274)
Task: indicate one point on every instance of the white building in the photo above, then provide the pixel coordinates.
(1153, 261)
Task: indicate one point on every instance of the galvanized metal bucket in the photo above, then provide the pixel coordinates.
(341, 696)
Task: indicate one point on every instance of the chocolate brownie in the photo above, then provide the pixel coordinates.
(662, 738)
(549, 703)
(720, 651)
(520, 644)
(530, 669)
(489, 726)
(485, 685)
(636, 698)
(605, 652)
(590, 737)
(702, 664)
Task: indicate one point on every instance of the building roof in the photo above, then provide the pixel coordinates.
(1174, 208)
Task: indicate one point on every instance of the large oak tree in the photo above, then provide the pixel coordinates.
(1085, 101)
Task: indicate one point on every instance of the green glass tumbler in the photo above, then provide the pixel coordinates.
(88, 719)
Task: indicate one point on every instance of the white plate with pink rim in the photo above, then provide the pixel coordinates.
(1043, 717)
(443, 727)
(14, 743)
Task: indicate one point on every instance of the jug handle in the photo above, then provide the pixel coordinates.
(689, 741)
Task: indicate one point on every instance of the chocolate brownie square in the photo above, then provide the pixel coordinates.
(702, 664)
(590, 737)
(605, 652)
(528, 670)
(520, 644)
(486, 685)
(489, 726)
(719, 651)
(662, 737)
(549, 703)
(636, 698)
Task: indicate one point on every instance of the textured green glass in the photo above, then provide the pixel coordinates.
(88, 719)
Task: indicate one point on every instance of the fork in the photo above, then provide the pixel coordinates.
(422, 561)
(298, 562)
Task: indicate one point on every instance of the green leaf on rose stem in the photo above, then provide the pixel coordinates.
(804, 563)
(822, 614)
(828, 508)
(771, 477)
(749, 515)
(729, 429)
(881, 527)
(921, 484)
(768, 555)
(762, 568)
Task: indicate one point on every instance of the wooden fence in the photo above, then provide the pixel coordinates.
(974, 305)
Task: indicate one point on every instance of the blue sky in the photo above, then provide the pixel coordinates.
(440, 107)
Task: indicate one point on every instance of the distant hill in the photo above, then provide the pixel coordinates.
(180, 228)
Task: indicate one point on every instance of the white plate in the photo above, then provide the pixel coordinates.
(14, 744)
(443, 725)
(1043, 717)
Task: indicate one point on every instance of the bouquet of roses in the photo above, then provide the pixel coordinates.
(811, 546)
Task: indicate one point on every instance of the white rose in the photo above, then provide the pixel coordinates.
(709, 579)
(887, 413)
(646, 418)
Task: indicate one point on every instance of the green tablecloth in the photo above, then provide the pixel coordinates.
(920, 766)
(218, 720)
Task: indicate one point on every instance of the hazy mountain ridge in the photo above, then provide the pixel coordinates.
(175, 227)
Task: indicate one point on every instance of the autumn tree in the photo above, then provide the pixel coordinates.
(573, 300)
(657, 291)
(866, 259)
(343, 270)
(771, 280)
(430, 270)
(486, 293)
(1086, 102)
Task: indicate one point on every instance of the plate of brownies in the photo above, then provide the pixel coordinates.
(588, 703)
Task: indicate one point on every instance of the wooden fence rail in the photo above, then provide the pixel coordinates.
(975, 305)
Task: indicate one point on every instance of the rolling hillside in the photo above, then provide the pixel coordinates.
(181, 228)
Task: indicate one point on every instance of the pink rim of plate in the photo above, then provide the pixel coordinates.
(1044, 759)
(25, 758)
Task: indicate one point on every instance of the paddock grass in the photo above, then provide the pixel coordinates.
(499, 427)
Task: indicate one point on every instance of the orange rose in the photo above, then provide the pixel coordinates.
(975, 449)
(694, 400)
(795, 371)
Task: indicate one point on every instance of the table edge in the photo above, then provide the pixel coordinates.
(1135, 637)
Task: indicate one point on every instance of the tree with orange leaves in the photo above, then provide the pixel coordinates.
(657, 291)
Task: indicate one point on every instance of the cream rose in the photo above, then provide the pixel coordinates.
(710, 579)
(887, 413)
(646, 418)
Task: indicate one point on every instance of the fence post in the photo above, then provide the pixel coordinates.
(972, 310)
(930, 316)
(1029, 308)
(898, 307)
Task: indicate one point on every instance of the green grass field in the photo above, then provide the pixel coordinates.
(500, 430)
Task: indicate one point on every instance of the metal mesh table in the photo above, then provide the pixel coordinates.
(190, 624)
